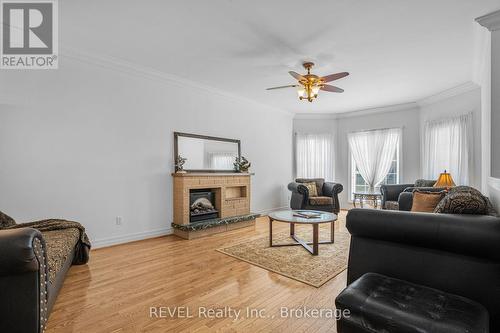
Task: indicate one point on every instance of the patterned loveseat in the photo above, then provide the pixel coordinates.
(34, 260)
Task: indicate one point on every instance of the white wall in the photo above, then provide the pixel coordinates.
(457, 105)
(495, 103)
(89, 143)
(406, 117)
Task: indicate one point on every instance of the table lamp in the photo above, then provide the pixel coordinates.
(445, 180)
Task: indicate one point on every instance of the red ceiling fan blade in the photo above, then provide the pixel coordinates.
(333, 77)
(297, 76)
(281, 87)
(327, 87)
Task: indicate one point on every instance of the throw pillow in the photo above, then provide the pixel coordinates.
(313, 192)
(426, 201)
(6, 220)
(464, 200)
(319, 183)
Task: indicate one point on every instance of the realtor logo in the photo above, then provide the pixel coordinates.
(29, 34)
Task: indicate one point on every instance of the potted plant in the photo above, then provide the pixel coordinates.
(242, 164)
(179, 164)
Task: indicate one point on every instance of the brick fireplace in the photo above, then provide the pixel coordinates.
(208, 203)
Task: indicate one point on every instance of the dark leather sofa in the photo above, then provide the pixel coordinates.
(457, 254)
(29, 284)
(390, 193)
(327, 199)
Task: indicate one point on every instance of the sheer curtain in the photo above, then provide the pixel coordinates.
(314, 156)
(373, 152)
(446, 146)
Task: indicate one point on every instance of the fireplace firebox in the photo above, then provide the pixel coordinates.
(202, 205)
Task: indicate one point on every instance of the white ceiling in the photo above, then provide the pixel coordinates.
(397, 51)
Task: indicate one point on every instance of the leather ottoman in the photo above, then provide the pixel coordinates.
(378, 303)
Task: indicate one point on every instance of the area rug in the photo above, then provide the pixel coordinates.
(294, 261)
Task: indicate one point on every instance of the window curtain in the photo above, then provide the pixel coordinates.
(446, 146)
(373, 152)
(314, 156)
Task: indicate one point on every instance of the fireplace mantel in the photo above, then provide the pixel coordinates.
(232, 201)
(211, 174)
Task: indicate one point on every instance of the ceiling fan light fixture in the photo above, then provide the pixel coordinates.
(315, 90)
(309, 85)
(301, 92)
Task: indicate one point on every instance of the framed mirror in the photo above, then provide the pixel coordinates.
(206, 153)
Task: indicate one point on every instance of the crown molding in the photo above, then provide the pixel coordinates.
(449, 93)
(358, 113)
(490, 21)
(126, 67)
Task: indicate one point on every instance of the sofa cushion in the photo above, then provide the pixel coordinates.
(378, 303)
(424, 183)
(320, 201)
(6, 220)
(426, 201)
(465, 200)
(59, 245)
(319, 183)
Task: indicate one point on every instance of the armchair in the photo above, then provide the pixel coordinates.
(327, 199)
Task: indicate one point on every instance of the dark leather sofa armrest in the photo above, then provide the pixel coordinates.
(405, 201)
(298, 188)
(331, 189)
(16, 250)
(471, 235)
(391, 192)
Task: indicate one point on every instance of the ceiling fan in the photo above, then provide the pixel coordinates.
(309, 85)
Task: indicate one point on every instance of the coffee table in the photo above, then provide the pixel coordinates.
(287, 216)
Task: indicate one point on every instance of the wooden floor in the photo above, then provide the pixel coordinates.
(115, 291)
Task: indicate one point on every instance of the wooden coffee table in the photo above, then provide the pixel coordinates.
(287, 216)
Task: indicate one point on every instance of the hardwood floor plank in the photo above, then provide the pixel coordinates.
(115, 291)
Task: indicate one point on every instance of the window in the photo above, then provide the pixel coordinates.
(358, 183)
(314, 156)
(374, 158)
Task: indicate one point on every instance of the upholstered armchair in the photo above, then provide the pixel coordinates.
(327, 195)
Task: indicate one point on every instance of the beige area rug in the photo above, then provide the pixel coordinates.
(294, 261)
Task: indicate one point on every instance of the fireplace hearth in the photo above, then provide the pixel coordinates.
(202, 205)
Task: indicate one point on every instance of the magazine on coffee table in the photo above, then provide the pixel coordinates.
(307, 215)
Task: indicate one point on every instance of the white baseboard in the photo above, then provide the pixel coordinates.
(267, 211)
(108, 241)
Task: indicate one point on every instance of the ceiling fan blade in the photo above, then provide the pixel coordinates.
(333, 77)
(327, 87)
(297, 76)
(281, 87)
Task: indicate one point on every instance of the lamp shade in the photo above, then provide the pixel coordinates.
(445, 180)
